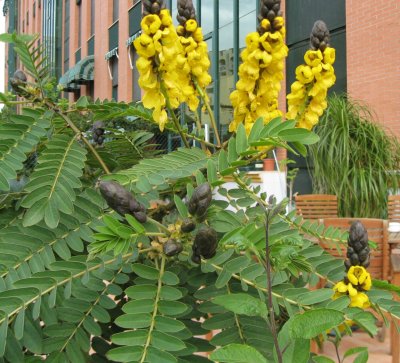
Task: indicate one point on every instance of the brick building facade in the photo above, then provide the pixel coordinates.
(366, 32)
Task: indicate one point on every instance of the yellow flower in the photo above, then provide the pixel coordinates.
(329, 55)
(265, 24)
(252, 41)
(313, 58)
(359, 276)
(144, 46)
(191, 25)
(150, 24)
(198, 35)
(360, 300)
(278, 22)
(304, 74)
(180, 30)
(165, 16)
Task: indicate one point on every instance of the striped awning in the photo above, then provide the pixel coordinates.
(132, 38)
(111, 53)
(81, 73)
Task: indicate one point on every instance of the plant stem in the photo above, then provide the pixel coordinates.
(80, 135)
(173, 116)
(269, 287)
(198, 125)
(337, 352)
(155, 310)
(208, 107)
(210, 144)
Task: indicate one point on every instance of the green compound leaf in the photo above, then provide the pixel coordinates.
(314, 322)
(243, 304)
(237, 353)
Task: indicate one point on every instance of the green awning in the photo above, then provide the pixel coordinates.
(132, 38)
(111, 53)
(82, 72)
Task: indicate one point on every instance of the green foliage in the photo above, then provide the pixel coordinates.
(80, 283)
(355, 160)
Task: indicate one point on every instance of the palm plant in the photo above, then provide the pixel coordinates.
(355, 160)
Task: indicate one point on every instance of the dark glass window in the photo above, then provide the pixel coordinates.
(27, 17)
(66, 34)
(34, 9)
(79, 25)
(92, 16)
(114, 73)
(136, 96)
(115, 10)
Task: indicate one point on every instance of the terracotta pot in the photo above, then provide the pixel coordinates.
(269, 164)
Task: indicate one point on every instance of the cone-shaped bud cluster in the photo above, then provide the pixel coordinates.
(186, 11)
(152, 6)
(319, 37)
(270, 9)
(98, 132)
(358, 251)
(200, 201)
(122, 201)
(205, 244)
(18, 82)
(172, 247)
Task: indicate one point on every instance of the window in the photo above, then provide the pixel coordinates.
(79, 25)
(92, 16)
(136, 96)
(114, 74)
(34, 9)
(27, 17)
(115, 11)
(39, 4)
(66, 34)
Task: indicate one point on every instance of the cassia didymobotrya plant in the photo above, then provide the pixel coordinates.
(111, 252)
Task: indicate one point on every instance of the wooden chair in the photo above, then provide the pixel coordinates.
(394, 208)
(316, 206)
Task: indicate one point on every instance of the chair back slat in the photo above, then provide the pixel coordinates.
(377, 232)
(316, 206)
(394, 208)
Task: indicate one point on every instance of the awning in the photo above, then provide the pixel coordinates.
(132, 38)
(81, 73)
(111, 53)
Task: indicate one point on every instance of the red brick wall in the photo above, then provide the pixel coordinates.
(373, 57)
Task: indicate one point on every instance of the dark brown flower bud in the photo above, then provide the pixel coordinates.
(188, 225)
(152, 6)
(205, 243)
(319, 31)
(358, 251)
(186, 11)
(140, 216)
(172, 248)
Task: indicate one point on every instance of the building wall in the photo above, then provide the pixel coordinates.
(373, 57)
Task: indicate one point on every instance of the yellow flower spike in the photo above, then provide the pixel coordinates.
(265, 24)
(329, 55)
(150, 24)
(351, 290)
(191, 25)
(144, 46)
(367, 283)
(360, 300)
(357, 275)
(313, 58)
(304, 74)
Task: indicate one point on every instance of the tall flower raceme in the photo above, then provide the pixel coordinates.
(307, 99)
(158, 48)
(261, 72)
(358, 280)
(194, 63)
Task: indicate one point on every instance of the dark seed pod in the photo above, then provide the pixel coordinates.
(140, 216)
(18, 81)
(119, 199)
(205, 243)
(196, 258)
(200, 200)
(172, 248)
(134, 206)
(188, 225)
(100, 140)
